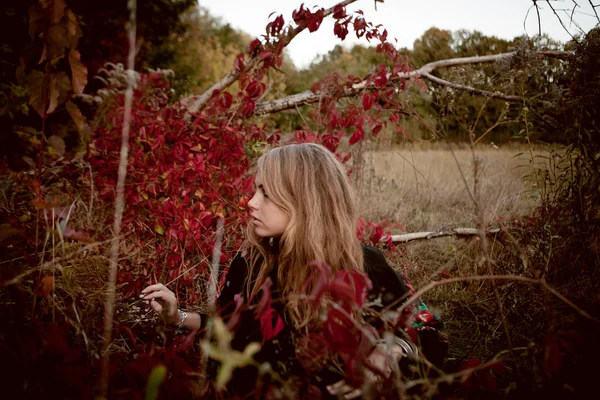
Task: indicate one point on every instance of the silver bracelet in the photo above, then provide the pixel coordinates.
(182, 317)
(408, 348)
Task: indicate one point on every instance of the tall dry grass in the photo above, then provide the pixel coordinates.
(424, 188)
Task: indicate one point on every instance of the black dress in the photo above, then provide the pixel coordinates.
(388, 287)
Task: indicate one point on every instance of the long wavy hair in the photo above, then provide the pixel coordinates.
(312, 187)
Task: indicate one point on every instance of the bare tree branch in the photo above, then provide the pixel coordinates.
(594, 9)
(560, 20)
(233, 75)
(470, 89)
(309, 97)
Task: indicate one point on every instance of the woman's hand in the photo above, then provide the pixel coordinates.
(381, 360)
(163, 301)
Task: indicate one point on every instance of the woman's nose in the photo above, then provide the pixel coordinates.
(253, 203)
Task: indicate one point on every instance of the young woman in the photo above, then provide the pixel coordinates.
(303, 210)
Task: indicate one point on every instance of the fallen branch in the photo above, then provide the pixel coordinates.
(426, 235)
(309, 97)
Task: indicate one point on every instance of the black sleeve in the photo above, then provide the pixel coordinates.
(386, 281)
(234, 284)
(393, 288)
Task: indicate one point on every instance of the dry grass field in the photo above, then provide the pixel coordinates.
(425, 188)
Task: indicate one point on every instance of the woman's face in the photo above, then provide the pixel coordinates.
(269, 219)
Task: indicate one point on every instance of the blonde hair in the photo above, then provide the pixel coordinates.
(312, 187)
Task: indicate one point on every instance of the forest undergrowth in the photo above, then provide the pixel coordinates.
(89, 219)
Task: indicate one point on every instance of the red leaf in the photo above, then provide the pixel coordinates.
(314, 21)
(322, 283)
(340, 333)
(330, 141)
(238, 63)
(360, 26)
(226, 100)
(253, 46)
(367, 101)
(266, 54)
(340, 30)
(273, 28)
(269, 329)
(381, 79)
(249, 108)
(376, 129)
(358, 135)
(350, 288)
(339, 11)
(376, 234)
(299, 14)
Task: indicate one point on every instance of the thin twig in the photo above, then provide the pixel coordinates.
(212, 298)
(561, 21)
(462, 175)
(119, 203)
(594, 9)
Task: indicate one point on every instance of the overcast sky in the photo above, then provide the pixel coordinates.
(407, 20)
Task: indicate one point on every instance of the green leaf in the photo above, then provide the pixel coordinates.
(159, 229)
(156, 378)
(78, 72)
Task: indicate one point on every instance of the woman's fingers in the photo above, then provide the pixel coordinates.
(155, 288)
(340, 388)
(163, 301)
(156, 306)
(168, 297)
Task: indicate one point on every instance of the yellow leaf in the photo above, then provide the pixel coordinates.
(57, 144)
(58, 10)
(59, 86)
(77, 116)
(78, 72)
(37, 91)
